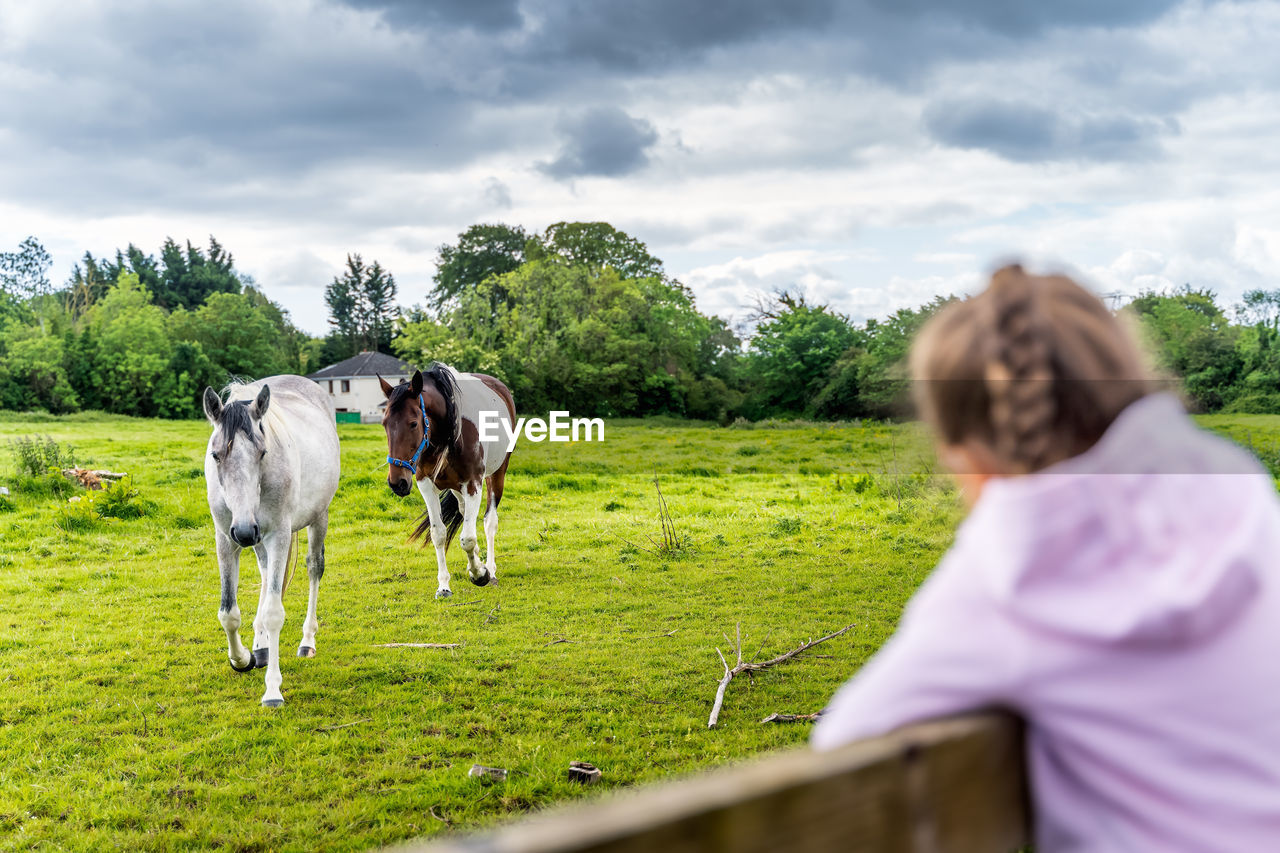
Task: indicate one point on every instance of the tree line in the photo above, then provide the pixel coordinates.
(580, 316)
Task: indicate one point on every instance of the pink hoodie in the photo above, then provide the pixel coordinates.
(1126, 603)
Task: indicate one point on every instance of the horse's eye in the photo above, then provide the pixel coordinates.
(216, 457)
(413, 424)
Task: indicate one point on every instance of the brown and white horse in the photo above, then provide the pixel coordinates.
(433, 439)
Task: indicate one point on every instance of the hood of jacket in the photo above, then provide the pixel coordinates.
(1150, 536)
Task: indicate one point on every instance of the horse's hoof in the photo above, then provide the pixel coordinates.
(306, 652)
(272, 703)
(483, 580)
(444, 593)
(260, 658)
(248, 668)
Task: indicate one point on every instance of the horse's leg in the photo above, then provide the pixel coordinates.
(315, 570)
(228, 611)
(439, 535)
(495, 484)
(271, 610)
(259, 628)
(470, 499)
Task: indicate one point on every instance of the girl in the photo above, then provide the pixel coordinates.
(1115, 583)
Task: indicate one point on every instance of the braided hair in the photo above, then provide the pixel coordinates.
(1035, 369)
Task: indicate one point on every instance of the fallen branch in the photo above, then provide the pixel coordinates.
(792, 718)
(492, 615)
(345, 725)
(91, 480)
(417, 645)
(751, 667)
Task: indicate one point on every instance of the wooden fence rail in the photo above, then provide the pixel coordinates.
(946, 786)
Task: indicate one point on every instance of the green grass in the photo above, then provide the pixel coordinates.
(122, 725)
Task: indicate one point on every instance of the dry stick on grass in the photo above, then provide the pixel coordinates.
(671, 541)
(492, 613)
(792, 718)
(417, 645)
(741, 667)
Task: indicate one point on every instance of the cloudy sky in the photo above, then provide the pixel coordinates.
(870, 152)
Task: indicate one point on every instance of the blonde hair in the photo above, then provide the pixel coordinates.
(1034, 368)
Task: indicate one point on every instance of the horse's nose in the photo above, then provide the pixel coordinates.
(400, 487)
(245, 535)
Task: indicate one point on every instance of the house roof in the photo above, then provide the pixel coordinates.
(364, 364)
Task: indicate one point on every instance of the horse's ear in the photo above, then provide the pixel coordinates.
(387, 388)
(415, 384)
(212, 405)
(259, 407)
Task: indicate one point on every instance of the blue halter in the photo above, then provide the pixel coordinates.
(412, 464)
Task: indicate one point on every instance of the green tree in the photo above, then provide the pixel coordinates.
(24, 274)
(362, 308)
(189, 371)
(236, 335)
(482, 251)
(88, 283)
(792, 353)
(35, 362)
(598, 245)
(1192, 338)
(580, 338)
(133, 347)
(189, 276)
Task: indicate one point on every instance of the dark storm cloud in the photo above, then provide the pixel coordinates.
(641, 33)
(220, 97)
(1020, 17)
(1027, 132)
(117, 104)
(883, 37)
(602, 141)
(486, 15)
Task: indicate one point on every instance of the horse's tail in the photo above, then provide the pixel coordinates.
(450, 512)
(290, 563)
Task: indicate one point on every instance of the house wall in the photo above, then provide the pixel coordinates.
(364, 397)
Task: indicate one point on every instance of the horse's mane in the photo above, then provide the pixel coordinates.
(275, 428)
(444, 378)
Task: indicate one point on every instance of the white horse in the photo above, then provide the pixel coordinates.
(272, 467)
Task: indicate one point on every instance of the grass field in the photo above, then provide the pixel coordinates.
(122, 725)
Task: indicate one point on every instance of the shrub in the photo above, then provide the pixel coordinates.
(50, 484)
(121, 500)
(33, 456)
(78, 517)
(1254, 404)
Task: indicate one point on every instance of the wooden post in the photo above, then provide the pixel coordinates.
(946, 786)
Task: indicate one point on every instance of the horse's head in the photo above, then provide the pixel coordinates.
(237, 448)
(410, 436)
